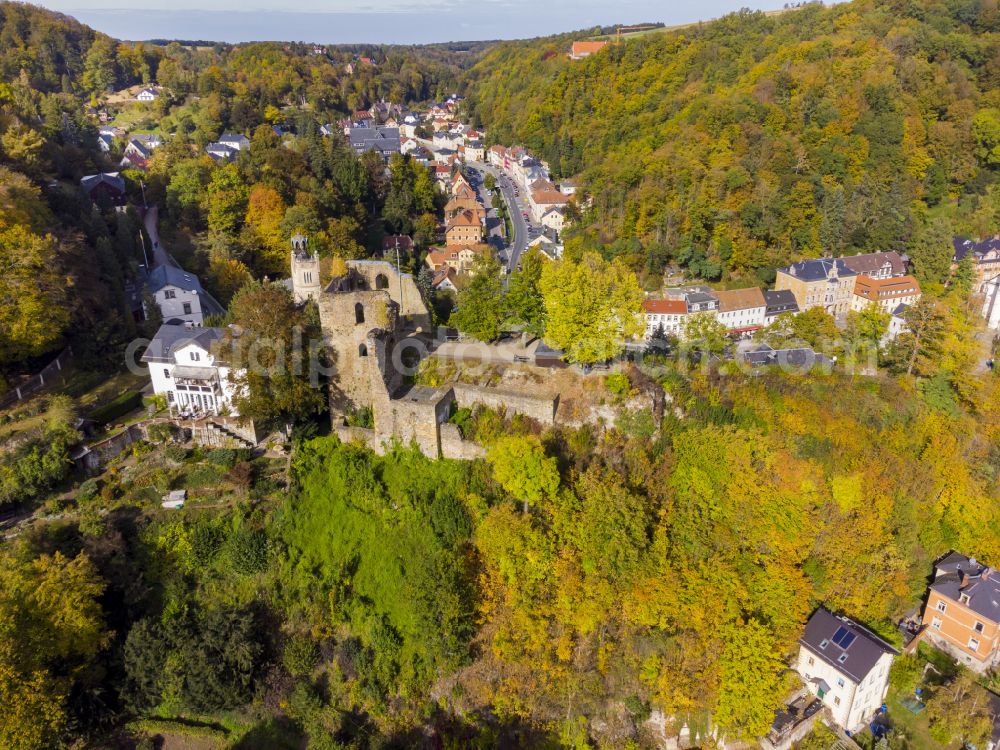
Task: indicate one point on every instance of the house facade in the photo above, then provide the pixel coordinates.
(985, 256)
(464, 228)
(186, 369)
(147, 95)
(886, 292)
(827, 283)
(741, 311)
(178, 294)
(962, 613)
(846, 666)
(779, 302)
(664, 315)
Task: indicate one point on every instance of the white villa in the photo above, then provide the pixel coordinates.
(185, 368)
(846, 666)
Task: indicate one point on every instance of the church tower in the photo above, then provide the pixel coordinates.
(305, 271)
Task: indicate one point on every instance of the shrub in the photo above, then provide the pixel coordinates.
(301, 655)
(221, 457)
(176, 453)
(206, 540)
(618, 384)
(88, 490)
(249, 550)
(120, 406)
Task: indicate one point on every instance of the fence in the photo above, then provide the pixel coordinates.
(51, 373)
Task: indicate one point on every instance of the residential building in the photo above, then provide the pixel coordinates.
(699, 298)
(985, 256)
(827, 283)
(383, 140)
(554, 218)
(104, 142)
(457, 205)
(464, 228)
(105, 189)
(444, 280)
(235, 141)
(583, 49)
(548, 245)
(178, 294)
(393, 242)
(459, 257)
(475, 151)
(877, 265)
(136, 155)
(460, 188)
(220, 152)
(888, 293)
(962, 613)
(542, 200)
(779, 302)
(664, 316)
(186, 369)
(147, 95)
(897, 323)
(741, 311)
(846, 666)
(447, 140)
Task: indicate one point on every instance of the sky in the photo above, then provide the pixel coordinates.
(375, 21)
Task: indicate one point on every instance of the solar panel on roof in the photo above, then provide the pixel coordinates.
(839, 635)
(848, 640)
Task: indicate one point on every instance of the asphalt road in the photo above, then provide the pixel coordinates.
(515, 207)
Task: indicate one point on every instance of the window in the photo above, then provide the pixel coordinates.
(979, 627)
(166, 373)
(169, 294)
(187, 308)
(963, 598)
(195, 357)
(840, 682)
(307, 277)
(941, 606)
(824, 643)
(936, 623)
(973, 644)
(362, 351)
(836, 701)
(359, 313)
(842, 658)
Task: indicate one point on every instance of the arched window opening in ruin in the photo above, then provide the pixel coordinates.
(363, 351)
(359, 313)
(381, 281)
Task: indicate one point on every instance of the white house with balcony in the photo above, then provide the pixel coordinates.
(846, 666)
(186, 368)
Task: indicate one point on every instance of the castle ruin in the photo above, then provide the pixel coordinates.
(377, 327)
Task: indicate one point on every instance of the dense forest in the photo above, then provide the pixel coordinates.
(735, 146)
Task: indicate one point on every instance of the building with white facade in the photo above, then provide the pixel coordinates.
(888, 293)
(147, 95)
(990, 291)
(846, 666)
(741, 310)
(178, 294)
(666, 316)
(186, 369)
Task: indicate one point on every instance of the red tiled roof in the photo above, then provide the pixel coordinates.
(667, 306)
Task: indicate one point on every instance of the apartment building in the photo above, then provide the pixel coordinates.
(962, 613)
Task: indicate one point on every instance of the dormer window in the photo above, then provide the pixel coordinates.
(842, 658)
(824, 644)
(963, 598)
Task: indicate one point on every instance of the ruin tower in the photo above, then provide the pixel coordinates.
(305, 271)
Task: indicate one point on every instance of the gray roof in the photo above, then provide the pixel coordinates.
(162, 276)
(818, 269)
(780, 301)
(234, 138)
(869, 263)
(170, 338)
(978, 249)
(798, 357)
(384, 140)
(957, 574)
(863, 650)
(113, 179)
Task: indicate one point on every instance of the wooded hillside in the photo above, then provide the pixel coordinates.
(737, 145)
